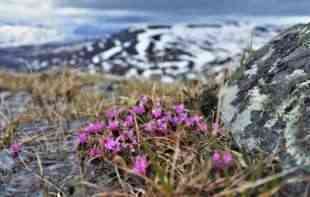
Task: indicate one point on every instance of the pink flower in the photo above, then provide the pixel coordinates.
(128, 140)
(138, 109)
(162, 126)
(95, 152)
(129, 121)
(157, 112)
(193, 121)
(216, 159)
(82, 138)
(112, 144)
(203, 127)
(93, 128)
(113, 125)
(130, 135)
(112, 113)
(180, 119)
(222, 160)
(179, 109)
(227, 159)
(150, 127)
(140, 165)
(15, 149)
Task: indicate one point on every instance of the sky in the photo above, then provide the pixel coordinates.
(39, 8)
(109, 12)
(210, 6)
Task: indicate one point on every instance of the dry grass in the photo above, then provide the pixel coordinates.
(182, 165)
(69, 95)
(63, 94)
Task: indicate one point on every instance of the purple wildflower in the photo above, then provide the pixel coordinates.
(138, 109)
(179, 109)
(94, 128)
(222, 161)
(95, 152)
(15, 149)
(128, 140)
(157, 112)
(129, 121)
(112, 144)
(150, 127)
(113, 125)
(82, 138)
(162, 126)
(227, 159)
(217, 160)
(112, 113)
(203, 127)
(140, 165)
(174, 121)
(181, 118)
(130, 135)
(194, 122)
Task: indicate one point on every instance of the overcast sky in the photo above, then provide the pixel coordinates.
(210, 6)
(55, 10)
(286, 7)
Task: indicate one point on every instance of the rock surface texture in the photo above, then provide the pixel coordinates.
(267, 101)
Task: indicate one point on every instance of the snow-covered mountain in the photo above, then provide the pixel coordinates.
(16, 35)
(179, 51)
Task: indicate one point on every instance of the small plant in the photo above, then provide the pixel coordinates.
(152, 138)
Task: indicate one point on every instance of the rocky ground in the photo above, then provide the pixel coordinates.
(48, 163)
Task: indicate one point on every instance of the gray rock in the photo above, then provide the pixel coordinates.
(7, 163)
(12, 104)
(267, 102)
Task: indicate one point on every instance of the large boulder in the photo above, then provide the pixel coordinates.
(267, 102)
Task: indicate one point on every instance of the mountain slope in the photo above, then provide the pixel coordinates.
(179, 51)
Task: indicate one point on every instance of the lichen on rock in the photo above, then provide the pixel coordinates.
(267, 106)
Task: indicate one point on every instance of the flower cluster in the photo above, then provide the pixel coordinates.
(117, 132)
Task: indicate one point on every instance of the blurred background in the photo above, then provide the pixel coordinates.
(37, 21)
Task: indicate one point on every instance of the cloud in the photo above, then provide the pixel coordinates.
(56, 11)
(17, 10)
(135, 4)
(209, 6)
(95, 12)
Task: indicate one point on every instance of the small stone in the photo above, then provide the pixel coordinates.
(7, 163)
